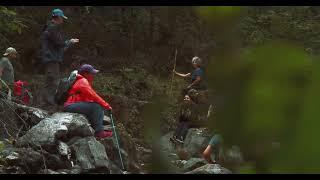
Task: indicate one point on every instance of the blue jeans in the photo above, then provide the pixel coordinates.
(93, 111)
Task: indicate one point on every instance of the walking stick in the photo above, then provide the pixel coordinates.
(174, 68)
(115, 133)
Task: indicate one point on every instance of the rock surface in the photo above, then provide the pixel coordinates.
(90, 155)
(58, 126)
(210, 169)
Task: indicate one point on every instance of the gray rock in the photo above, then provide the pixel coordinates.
(63, 149)
(210, 169)
(12, 158)
(75, 169)
(173, 156)
(179, 163)
(29, 160)
(55, 162)
(90, 155)
(194, 163)
(58, 126)
(113, 152)
(13, 170)
(196, 141)
(47, 171)
(165, 144)
(114, 169)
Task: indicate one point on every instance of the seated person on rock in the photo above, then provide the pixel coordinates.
(214, 148)
(196, 76)
(186, 115)
(84, 100)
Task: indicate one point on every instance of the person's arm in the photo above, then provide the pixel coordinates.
(69, 42)
(182, 75)
(57, 39)
(88, 91)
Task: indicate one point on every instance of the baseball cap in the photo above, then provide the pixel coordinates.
(10, 50)
(59, 13)
(88, 68)
(196, 60)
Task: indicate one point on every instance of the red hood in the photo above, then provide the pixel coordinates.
(79, 76)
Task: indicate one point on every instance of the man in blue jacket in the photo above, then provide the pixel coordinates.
(53, 46)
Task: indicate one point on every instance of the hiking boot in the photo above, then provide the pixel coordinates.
(173, 139)
(103, 134)
(179, 141)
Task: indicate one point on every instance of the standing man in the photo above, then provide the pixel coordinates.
(6, 69)
(196, 76)
(53, 46)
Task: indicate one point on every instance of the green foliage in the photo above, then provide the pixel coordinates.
(1, 146)
(10, 24)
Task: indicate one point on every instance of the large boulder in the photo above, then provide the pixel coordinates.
(128, 149)
(60, 125)
(165, 144)
(210, 169)
(112, 150)
(90, 155)
(194, 163)
(196, 141)
(18, 119)
(28, 159)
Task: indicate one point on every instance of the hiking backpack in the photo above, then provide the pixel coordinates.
(22, 92)
(65, 85)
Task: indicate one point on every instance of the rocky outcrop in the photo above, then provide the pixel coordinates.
(90, 155)
(59, 126)
(210, 169)
(188, 156)
(63, 143)
(194, 163)
(194, 144)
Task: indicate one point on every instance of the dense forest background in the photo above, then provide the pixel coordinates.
(117, 36)
(261, 64)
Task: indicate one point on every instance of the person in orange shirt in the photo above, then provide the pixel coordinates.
(83, 99)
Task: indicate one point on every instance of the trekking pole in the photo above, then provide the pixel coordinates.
(174, 68)
(115, 133)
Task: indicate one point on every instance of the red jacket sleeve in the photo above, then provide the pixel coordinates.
(87, 91)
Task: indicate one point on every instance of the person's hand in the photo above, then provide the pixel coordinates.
(174, 71)
(108, 111)
(73, 41)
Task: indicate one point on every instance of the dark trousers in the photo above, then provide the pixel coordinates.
(182, 130)
(93, 111)
(52, 72)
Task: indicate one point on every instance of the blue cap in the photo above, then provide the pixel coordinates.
(59, 13)
(88, 68)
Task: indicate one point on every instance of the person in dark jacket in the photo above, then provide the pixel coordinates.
(186, 117)
(53, 46)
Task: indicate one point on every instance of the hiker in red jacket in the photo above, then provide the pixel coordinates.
(84, 100)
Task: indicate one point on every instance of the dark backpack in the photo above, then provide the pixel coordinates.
(65, 85)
